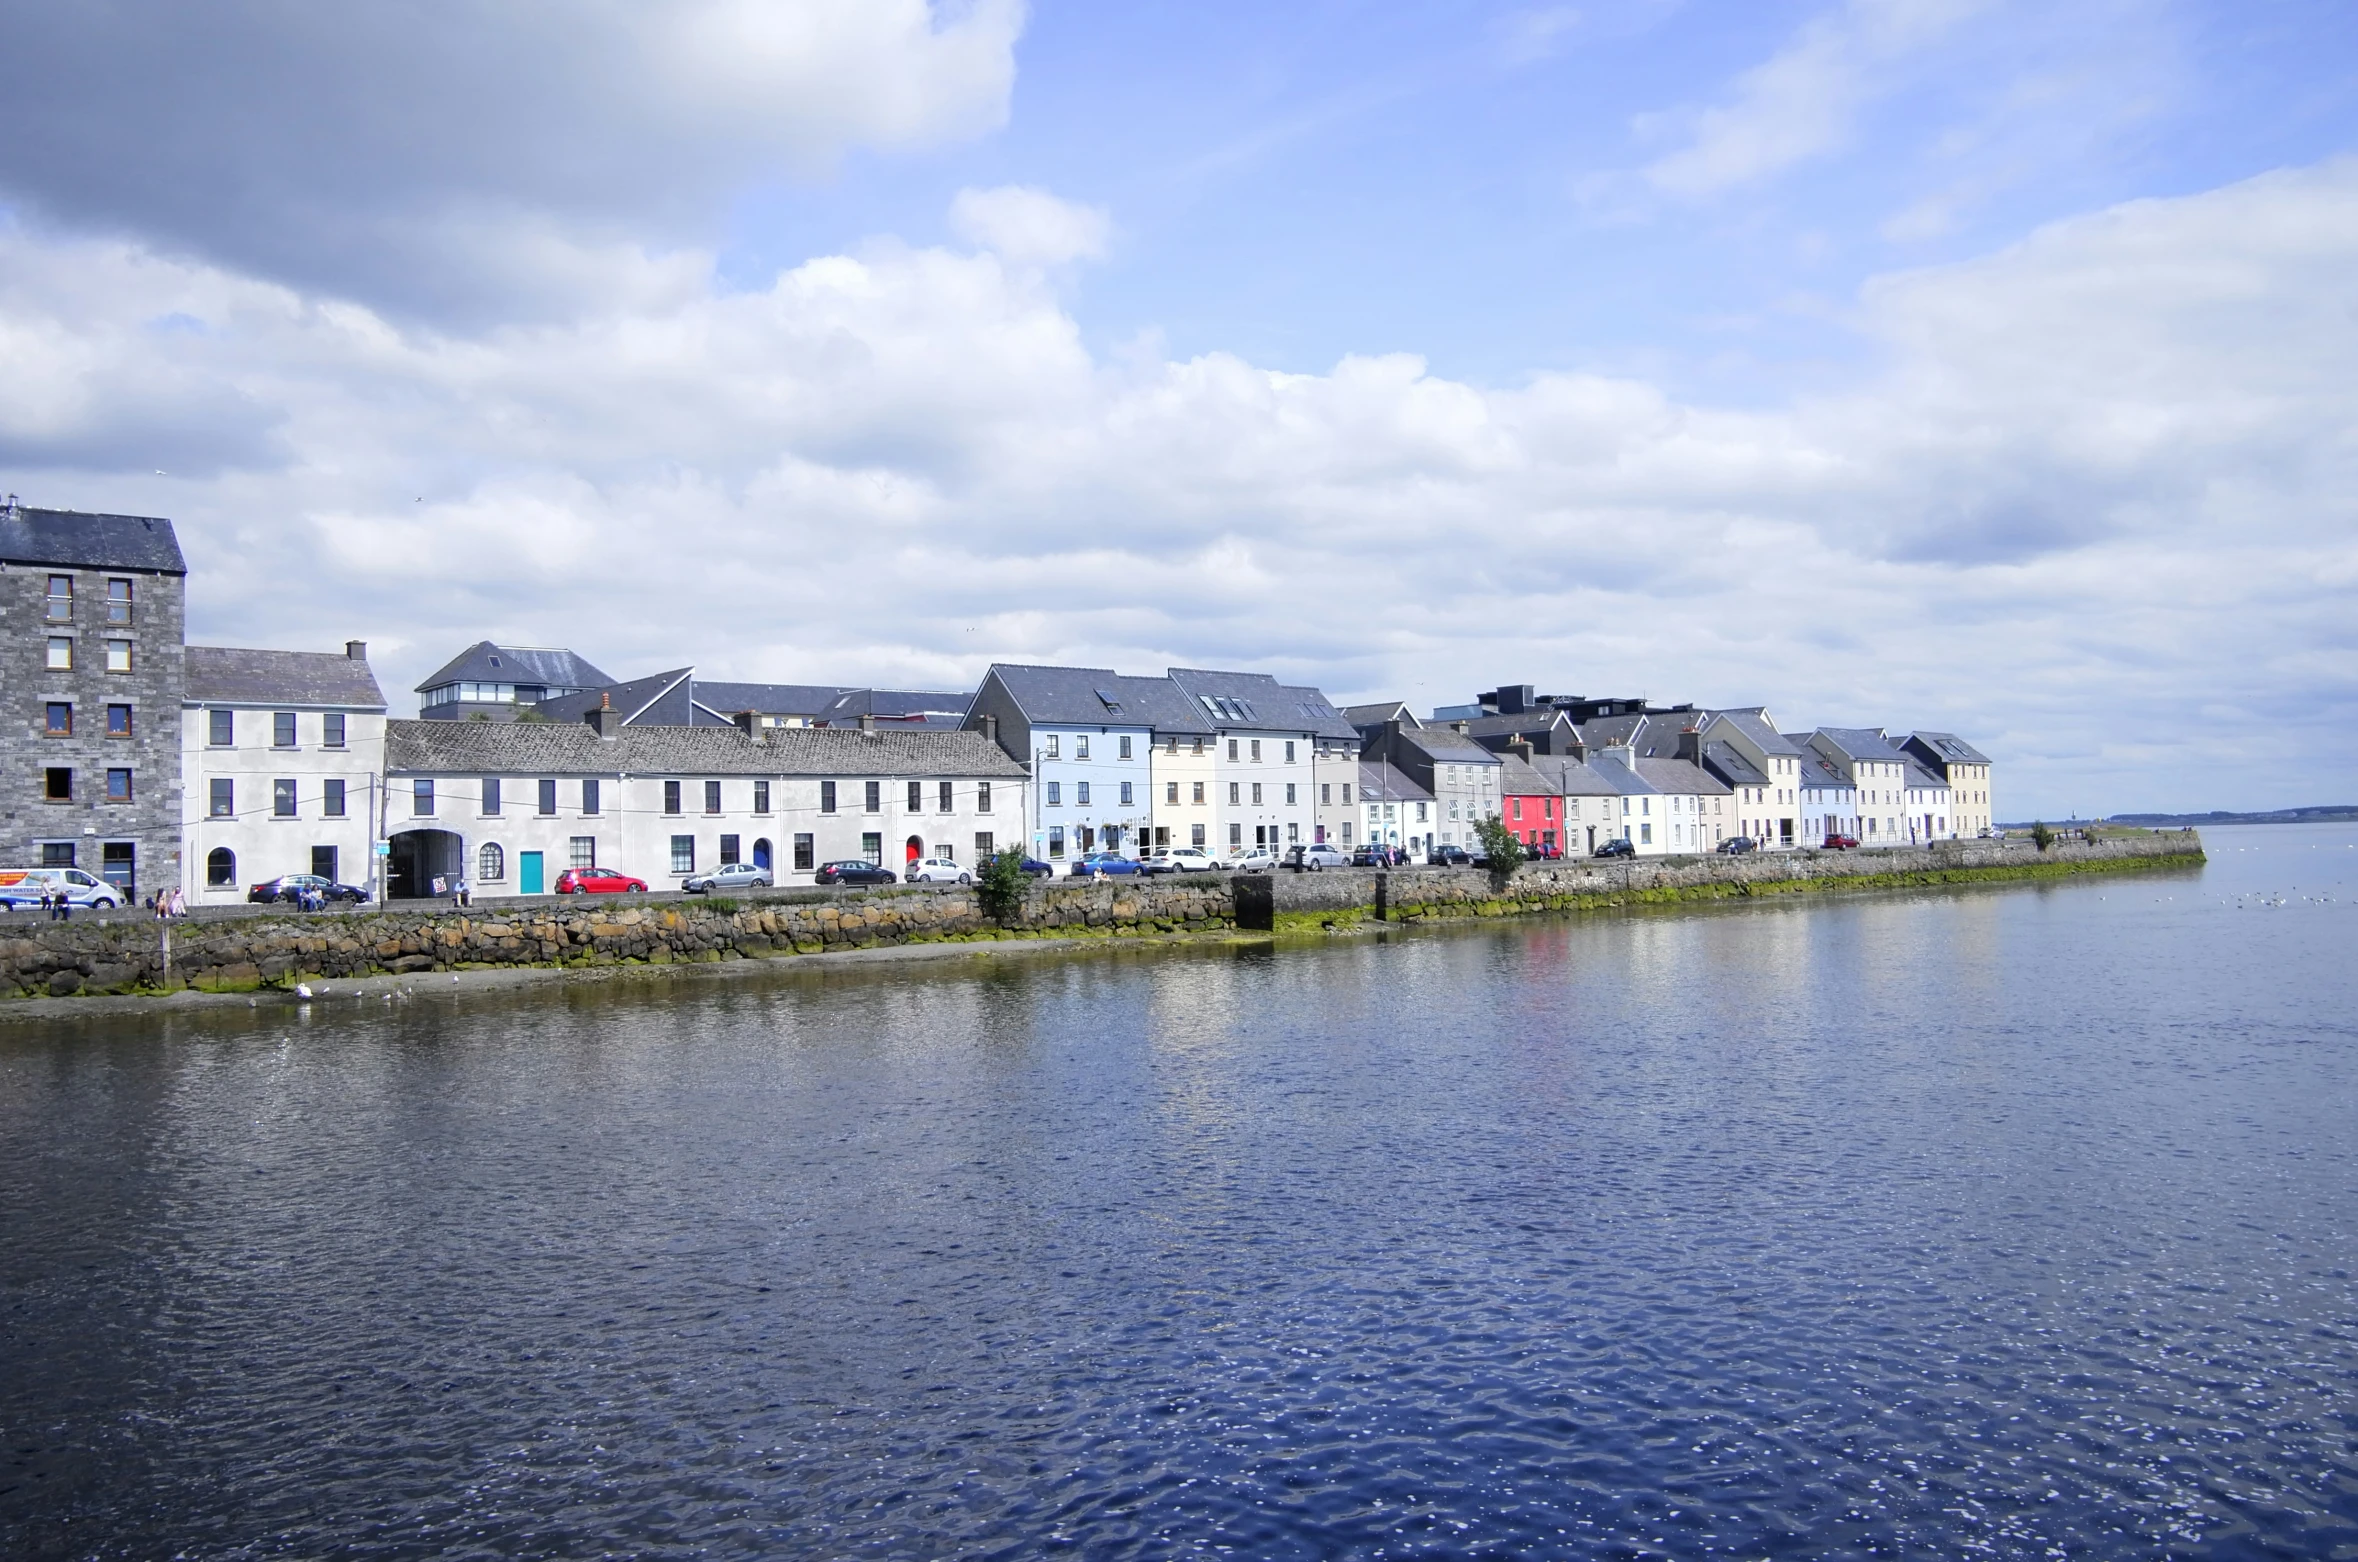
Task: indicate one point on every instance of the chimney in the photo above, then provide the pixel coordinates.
(1690, 746)
(867, 724)
(1460, 728)
(991, 728)
(606, 718)
(1521, 749)
(749, 723)
(357, 650)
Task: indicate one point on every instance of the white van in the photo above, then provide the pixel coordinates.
(23, 887)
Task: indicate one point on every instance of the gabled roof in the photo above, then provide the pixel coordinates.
(1380, 782)
(1753, 722)
(657, 700)
(1607, 731)
(1533, 721)
(219, 674)
(1079, 696)
(1447, 746)
(935, 709)
(545, 666)
(719, 704)
(70, 539)
(1361, 717)
(1681, 776)
(1945, 748)
(574, 748)
(1256, 702)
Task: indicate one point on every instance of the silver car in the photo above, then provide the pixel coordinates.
(729, 875)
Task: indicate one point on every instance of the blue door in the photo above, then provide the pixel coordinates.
(761, 855)
(528, 872)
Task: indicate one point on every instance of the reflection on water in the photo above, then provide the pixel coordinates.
(2011, 1221)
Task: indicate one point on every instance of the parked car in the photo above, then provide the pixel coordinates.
(729, 875)
(856, 870)
(1738, 845)
(1037, 869)
(1542, 851)
(1371, 857)
(1189, 859)
(290, 886)
(1091, 864)
(1842, 843)
(24, 887)
(1616, 847)
(597, 881)
(1446, 856)
(937, 870)
(1310, 858)
(1259, 860)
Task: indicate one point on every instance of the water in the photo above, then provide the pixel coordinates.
(2006, 1222)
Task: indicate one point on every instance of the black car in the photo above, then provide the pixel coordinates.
(1449, 857)
(1371, 857)
(289, 887)
(1615, 848)
(1738, 845)
(856, 870)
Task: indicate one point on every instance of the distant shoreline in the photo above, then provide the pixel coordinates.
(2328, 813)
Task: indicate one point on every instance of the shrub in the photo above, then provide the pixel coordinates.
(1000, 886)
(1506, 854)
(2041, 836)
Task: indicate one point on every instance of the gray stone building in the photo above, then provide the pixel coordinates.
(92, 671)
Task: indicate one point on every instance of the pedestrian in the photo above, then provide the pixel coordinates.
(179, 901)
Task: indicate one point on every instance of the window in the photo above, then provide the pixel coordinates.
(1515, 807)
(1082, 790)
(1235, 836)
(1289, 794)
(728, 849)
(805, 853)
(491, 864)
(118, 602)
(118, 785)
(1081, 746)
(1195, 835)
(982, 797)
(221, 728)
(59, 719)
(1646, 834)
(118, 721)
(61, 598)
(61, 653)
(712, 797)
(57, 783)
(221, 867)
(671, 797)
(546, 798)
(916, 797)
(1256, 751)
(282, 728)
(948, 797)
(873, 797)
(421, 798)
(872, 847)
(1420, 813)
(1233, 798)
(1171, 792)
(1232, 751)
(1199, 747)
(1293, 834)
(57, 854)
(224, 800)
(1326, 794)
(584, 851)
(118, 656)
(331, 801)
(1289, 753)
(282, 798)
(683, 854)
(1256, 794)
(761, 797)
(1199, 793)
(116, 860)
(1056, 794)
(589, 801)
(490, 796)
(826, 797)
(1055, 840)
(331, 730)
(1125, 794)
(1346, 794)
(1051, 745)
(1125, 748)
(984, 846)
(323, 863)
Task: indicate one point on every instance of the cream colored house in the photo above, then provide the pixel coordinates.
(1967, 771)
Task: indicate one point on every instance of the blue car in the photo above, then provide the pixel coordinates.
(1096, 863)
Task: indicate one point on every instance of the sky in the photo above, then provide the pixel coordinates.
(1964, 365)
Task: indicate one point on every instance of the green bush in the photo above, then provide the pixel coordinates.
(2041, 836)
(1498, 843)
(1001, 886)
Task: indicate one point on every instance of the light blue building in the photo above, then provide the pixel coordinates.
(1088, 735)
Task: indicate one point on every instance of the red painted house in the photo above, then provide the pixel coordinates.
(1529, 805)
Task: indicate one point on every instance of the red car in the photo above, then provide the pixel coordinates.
(1841, 843)
(596, 881)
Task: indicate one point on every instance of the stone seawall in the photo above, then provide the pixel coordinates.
(120, 954)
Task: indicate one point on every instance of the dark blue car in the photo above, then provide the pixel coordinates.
(1102, 862)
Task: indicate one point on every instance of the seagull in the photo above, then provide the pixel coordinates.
(303, 989)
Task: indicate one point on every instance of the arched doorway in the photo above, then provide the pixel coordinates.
(761, 855)
(419, 858)
(916, 848)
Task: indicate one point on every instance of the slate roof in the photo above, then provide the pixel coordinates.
(1862, 743)
(1319, 716)
(1609, 731)
(1574, 778)
(547, 666)
(219, 674)
(1070, 696)
(574, 748)
(721, 702)
(932, 708)
(1518, 778)
(1919, 774)
(1731, 765)
(71, 539)
(665, 699)
(1256, 702)
(1619, 779)
(1529, 721)
(1946, 748)
(1818, 772)
(1682, 777)
(1447, 745)
(1381, 783)
(1753, 721)
(1376, 714)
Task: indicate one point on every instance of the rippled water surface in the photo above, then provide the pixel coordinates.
(2013, 1222)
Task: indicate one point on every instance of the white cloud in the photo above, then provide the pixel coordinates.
(1803, 101)
(2102, 478)
(1025, 226)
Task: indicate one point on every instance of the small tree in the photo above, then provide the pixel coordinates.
(2041, 836)
(1506, 854)
(1001, 886)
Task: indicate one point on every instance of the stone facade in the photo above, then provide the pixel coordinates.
(94, 675)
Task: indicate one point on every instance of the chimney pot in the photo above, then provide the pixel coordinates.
(357, 650)
(606, 719)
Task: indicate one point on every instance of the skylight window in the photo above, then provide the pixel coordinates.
(1110, 703)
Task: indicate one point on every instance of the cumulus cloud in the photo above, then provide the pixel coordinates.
(468, 157)
(2113, 457)
(1029, 227)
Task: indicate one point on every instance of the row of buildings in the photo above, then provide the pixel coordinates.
(214, 768)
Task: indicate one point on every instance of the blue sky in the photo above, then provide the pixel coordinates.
(1975, 365)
